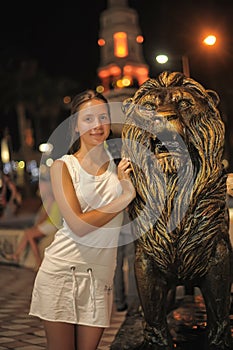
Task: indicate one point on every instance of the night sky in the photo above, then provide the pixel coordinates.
(62, 38)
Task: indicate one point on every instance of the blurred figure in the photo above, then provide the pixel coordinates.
(125, 289)
(10, 197)
(47, 221)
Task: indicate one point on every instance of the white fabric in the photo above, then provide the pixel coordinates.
(74, 282)
(73, 290)
(94, 192)
(47, 228)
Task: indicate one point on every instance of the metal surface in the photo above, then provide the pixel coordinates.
(174, 137)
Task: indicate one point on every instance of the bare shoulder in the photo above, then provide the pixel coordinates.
(59, 169)
(57, 163)
(57, 166)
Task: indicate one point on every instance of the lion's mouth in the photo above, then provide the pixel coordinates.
(167, 144)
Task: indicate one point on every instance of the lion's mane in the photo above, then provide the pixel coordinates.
(179, 211)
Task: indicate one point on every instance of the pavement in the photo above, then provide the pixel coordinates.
(18, 330)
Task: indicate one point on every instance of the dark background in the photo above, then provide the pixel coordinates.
(62, 39)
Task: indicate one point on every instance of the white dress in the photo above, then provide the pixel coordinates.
(75, 281)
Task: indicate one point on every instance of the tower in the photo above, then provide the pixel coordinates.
(122, 67)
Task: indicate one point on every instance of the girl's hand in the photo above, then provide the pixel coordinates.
(124, 169)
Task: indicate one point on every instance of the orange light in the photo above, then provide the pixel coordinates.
(29, 139)
(120, 44)
(119, 83)
(103, 74)
(142, 71)
(101, 42)
(114, 70)
(67, 99)
(139, 39)
(128, 69)
(210, 40)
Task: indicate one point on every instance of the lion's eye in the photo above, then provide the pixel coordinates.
(184, 104)
(147, 107)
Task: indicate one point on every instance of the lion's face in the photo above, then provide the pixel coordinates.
(174, 118)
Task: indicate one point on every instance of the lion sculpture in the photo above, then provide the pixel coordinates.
(174, 136)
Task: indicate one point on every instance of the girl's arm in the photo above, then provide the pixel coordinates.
(65, 196)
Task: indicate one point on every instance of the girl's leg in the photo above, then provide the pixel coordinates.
(60, 335)
(88, 337)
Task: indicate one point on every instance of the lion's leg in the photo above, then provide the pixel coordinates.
(215, 288)
(153, 291)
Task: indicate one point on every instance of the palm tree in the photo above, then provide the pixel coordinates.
(33, 104)
(30, 92)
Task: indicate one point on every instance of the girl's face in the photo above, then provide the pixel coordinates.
(93, 122)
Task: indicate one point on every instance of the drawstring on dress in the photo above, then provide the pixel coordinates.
(75, 289)
(92, 291)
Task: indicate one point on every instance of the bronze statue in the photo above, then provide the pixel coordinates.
(174, 137)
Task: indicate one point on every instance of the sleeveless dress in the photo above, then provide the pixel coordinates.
(74, 283)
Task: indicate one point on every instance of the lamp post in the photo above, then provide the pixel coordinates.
(185, 65)
(210, 40)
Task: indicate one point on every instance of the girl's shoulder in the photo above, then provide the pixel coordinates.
(66, 158)
(72, 165)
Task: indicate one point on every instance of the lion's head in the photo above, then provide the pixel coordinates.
(174, 136)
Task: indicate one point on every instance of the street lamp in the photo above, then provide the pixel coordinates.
(210, 40)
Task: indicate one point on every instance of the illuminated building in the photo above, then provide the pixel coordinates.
(122, 66)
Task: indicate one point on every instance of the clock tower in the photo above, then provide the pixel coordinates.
(122, 67)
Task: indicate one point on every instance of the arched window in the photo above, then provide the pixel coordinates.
(120, 44)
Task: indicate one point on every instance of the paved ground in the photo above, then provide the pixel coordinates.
(18, 330)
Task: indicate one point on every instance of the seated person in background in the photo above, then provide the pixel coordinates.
(47, 221)
(10, 197)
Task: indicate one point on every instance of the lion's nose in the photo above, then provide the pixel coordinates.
(163, 119)
(163, 116)
(164, 122)
(158, 120)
